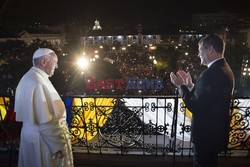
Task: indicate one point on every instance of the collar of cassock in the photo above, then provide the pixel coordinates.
(40, 72)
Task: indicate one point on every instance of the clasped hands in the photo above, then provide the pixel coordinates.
(181, 78)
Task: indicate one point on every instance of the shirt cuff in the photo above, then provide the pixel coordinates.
(190, 88)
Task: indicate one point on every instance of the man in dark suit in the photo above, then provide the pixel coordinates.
(209, 101)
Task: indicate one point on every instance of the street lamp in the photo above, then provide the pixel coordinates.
(82, 63)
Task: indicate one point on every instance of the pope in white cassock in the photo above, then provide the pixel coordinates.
(45, 139)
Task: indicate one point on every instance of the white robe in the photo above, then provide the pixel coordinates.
(44, 131)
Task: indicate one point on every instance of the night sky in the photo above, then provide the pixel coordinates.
(116, 12)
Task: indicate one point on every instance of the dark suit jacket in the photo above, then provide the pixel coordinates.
(209, 101)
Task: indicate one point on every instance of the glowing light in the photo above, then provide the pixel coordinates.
(113, 48)
(244, 73)
(186, 53)
(82, 63)
(97, 56)
(123, 48)
(96, 51)
(152, 47)
(97, 25)
(155, 61)
(101, 47)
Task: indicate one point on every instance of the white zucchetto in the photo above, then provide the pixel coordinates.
(42, 52)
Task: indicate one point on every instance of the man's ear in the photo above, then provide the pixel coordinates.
(210, 50)
(43, 62)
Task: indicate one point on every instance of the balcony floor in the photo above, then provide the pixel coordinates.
(101, 160)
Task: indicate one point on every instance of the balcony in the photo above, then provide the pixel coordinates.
(133, 131)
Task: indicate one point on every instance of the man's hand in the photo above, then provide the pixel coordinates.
(177, 80)
(186, 77)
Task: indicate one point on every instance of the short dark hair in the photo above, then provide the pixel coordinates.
(215, 41)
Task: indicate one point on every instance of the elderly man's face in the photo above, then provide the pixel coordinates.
(51, 64)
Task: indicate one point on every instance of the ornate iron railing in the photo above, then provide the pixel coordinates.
(155, 125)
(150, 125)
